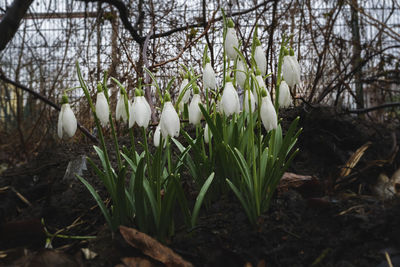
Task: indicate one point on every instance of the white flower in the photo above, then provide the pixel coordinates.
(209, 77)
(246, 101)
(186, 96)
(206, 136)
(230, 100)
(261, 85)
(231, 41)
(120, 110)
(156, 138)
(169, 122)
(240, 75)
(66, 121)
(140, 112)
(284, 95)
(194, 110)
(261, 60)
(268, 114)
(291, 70)
(102, 108)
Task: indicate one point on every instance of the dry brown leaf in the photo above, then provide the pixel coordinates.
(152, 248)
(137, 262)
(353, 160)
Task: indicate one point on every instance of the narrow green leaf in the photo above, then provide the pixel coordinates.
(200, 198)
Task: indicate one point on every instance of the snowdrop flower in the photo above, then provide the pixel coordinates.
(260, 58)
(120, 110)
(169, 121)
(140, 111)
(240, 75)
(246, 101)
(209, 76)
(66, 120)
(186, 96)
(268, 113)
(194, 109)
(102, 108)
(284, 95)
(207, 137)
(291, 70)
(261, 85)
(230, 99)
(231, 41)
(156, 138)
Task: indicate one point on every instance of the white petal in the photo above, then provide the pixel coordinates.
(120, 109)
(230, 100)
(284, 95)
(246, 101)
(132, 114)
(207, 134)
(231, 41)
(102, 109)
(169, 122)
(60, 122)
(240, 75)
(268, 114)
(291, 70)
(186, 96)
(209, 77)
(69, 121)
(156, 138)
(142, 113)
(194, 110)
(261, 60)
(261, 85)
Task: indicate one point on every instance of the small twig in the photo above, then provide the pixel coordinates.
(389, 261)
(366, 110)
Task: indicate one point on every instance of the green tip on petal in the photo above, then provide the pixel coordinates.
(138, 92)
(257, 42)
(167, 97)
(64, 99)
(264, 93)
(228, 79)
(99, 88)
(291, 52)
(196, 89)
(231, 24)
(285, 51)
(258, 72)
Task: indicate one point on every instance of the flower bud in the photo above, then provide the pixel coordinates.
(268, 114)
(194, 110)
(66, 120)
(209, 77)
(291, 70)
(284, 98)
(230, 100)
(169, 122)
(102, 108)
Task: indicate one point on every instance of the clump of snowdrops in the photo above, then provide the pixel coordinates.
(238, 147)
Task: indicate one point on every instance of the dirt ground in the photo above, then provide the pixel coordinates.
(323, 214)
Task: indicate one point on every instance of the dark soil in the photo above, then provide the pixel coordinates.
(325, 221)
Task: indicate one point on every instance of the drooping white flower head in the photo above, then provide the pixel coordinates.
(231, 41)
(209, 77)
(102, 108)
(291, 70)
(186, 96)
(261, 85)
(285, 98)
(246, 101)
(268, 113)
(230, 100)
(156, 138)
(120, 111)
(194, 110)
(240, 75)
(169, 121)
(66, 120)
(207, 134)
(260, 58)
(140, 111)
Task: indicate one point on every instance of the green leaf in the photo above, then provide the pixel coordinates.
(99, 202)
(245, 205)
(200, 198)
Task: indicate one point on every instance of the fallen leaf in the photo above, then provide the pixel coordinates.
(137, 262)
(152, 248)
